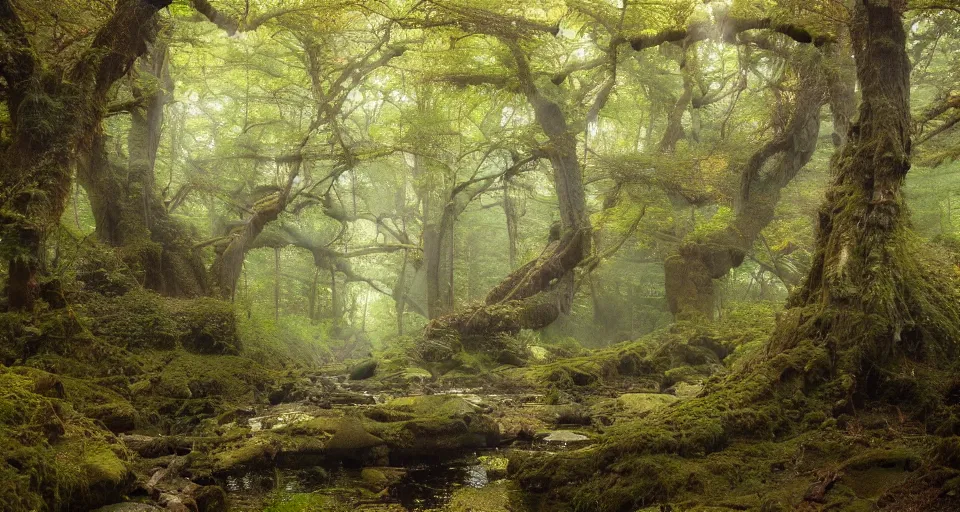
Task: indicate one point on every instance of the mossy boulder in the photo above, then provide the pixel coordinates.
(374, 479)
(351, 440)
(54, 457)
(144, 320)
(432, 427)
(364, 370)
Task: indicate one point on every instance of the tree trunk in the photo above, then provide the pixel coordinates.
(536, 294)
(437, 250)
(127, 207)
(54, 118)
(231, 250)
(872, 295)
(510, 212)
(691, 270)
(276, 284)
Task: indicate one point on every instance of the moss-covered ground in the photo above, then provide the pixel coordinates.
(132, 394)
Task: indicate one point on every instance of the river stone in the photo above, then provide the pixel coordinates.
(352, 441)
(364, 370)
(565, 436)
(373, 479)
(495, 466)
(210, 498)
(539, 353)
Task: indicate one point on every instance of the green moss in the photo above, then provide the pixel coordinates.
(306, 502)
(143, 319)
(373, 479)
(495, 466)
(52, 454)
(432, 405)
(352, 438)
(493, 497)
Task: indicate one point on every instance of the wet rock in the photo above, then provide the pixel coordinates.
(495, 466)
(210, 498)
(519, 424)
(564, 437)
(352, 442)
(364, 370)
(374, 479)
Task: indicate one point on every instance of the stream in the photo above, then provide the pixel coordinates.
(473, 480)
(337, 445)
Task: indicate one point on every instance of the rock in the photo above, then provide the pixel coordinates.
(150, 447)
(157, 477)
(173, 503)
(351, 440)
(364, 370)
(432, 405)
(117, 417)
(280, 394)
(210, 498)
(539, 354)
(349, 398)
(509, 357)
(565, 437)
(496, 467)
(494, 497)
(373, 479)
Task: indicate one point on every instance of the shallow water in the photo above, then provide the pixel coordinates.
(423, 487)
(431, 486)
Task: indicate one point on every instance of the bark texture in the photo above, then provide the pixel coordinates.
(55, 114)
(872, 295)
(127, 207)
(536, 294)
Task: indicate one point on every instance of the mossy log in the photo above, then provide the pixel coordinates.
(531, 297)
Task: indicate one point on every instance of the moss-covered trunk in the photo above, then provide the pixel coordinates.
(127, 206)
(231, 249)
(536, 294)
(872, 294)
(55, 114)
(691, 270)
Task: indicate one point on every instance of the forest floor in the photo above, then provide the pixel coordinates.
(192, 418)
